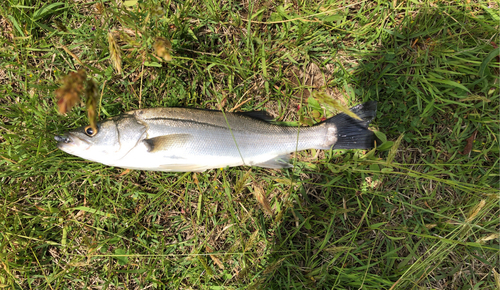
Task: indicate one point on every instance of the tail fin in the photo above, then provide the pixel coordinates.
(351, 133)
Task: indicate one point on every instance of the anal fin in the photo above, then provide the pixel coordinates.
(183, 167)
(280, 161)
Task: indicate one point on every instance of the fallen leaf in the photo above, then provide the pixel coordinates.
(470, 142)
(125, 172)
(162, 47)
(215, 259)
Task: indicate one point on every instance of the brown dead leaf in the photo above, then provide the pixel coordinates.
(215, 259)
(162, 47)
(69, 94)
(100, 8)
(470, 143)
(195, 179)
(127, 171)
(262, 199)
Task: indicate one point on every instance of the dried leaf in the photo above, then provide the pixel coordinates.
(195, 179)
(497, 278)
(330, 103)
(262, 199)
(475, 211)
(488, 238)
(216, 260)
(127, 171)
(470, 143)
(162, 47)
(372, 182)
(115, 53)
(69, 94)
(60, 25)
(100, 8)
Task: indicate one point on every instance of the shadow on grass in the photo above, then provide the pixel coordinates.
(363, 223)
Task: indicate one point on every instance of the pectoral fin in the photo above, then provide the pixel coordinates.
(166, 142)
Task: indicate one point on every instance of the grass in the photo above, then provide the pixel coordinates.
(418, 212)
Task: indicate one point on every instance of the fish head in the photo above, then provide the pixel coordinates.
(114, 138)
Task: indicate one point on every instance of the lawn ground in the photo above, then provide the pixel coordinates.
(419, 212)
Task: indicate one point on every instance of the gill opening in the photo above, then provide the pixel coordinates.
(142, 137)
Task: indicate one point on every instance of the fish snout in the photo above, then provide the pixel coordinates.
(63, 142)
(63, 139)
(71, 143)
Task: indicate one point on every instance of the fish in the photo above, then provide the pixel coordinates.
(195, 140)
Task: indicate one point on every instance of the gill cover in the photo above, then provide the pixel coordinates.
(130, 133)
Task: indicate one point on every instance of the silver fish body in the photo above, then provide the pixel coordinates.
(182, 139)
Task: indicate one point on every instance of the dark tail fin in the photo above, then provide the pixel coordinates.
(351, 133)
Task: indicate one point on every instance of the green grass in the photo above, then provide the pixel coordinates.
(413, 214)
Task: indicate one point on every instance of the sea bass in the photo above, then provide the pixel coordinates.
(183, 139)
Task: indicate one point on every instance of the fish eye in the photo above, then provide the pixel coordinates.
(90, 131)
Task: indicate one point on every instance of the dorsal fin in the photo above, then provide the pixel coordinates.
(259, 115)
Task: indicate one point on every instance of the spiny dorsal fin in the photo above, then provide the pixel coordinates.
(166, 142)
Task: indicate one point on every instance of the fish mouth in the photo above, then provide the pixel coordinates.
(70, 143)
(62, 139)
